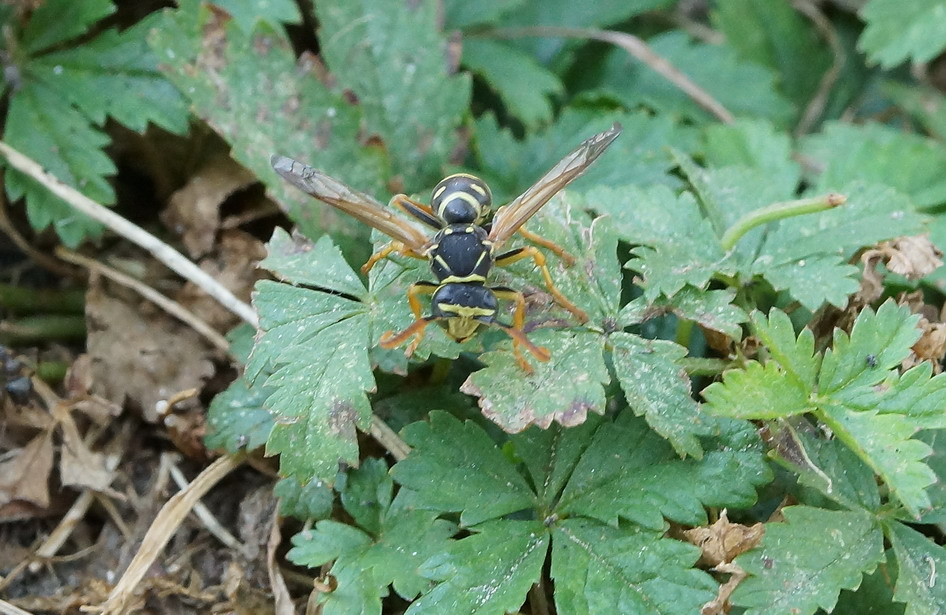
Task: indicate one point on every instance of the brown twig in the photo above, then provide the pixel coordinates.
(8, 609)
(634, 46)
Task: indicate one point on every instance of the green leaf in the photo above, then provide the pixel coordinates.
(313, 500)
(790, 577)
(758, 392)
(876, 153)
(524, 85)
(58, 21)
(657, 388)
(366, 494)
(794, 355)
(550, 456)
(237, 418)
(367, 561)
(488, 572)
(115, 74)
(463, 14)
(272, 12)
(45, 127)
(712, 309)
(321, 265)
(547, 394)
(772, 33)
(744, 88)
(898, 30)
(233, 86)
(630, 472)
(390, 54)
(603, 569)
(936, 440)
(754, 143)
(919, 561)
(455, 467)
(874, 596)
(316, 344)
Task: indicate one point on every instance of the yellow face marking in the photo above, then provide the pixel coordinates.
(462, 328)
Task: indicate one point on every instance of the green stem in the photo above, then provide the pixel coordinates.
(34, 329)
(699, 366)
(778, 211)
(52, 372)
(41, 300)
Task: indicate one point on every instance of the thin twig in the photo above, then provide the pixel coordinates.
(63, 530)
(386, 436)
(206, 517)
(166, 523)
(282, 598)
(168, 305)
(8, 609)
(818, 102)
(160, 250)
(634, 46)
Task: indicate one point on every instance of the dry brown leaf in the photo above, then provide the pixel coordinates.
(138, 353)
(78, 465)
(25, 475)
(723, 541)
(194, 210)
(721, 603)
(912, 257)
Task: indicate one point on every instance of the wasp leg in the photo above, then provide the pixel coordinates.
(516, 330)
(549, 245)
(416, 210)
(531, 251)
(392, 340)
(394, 246)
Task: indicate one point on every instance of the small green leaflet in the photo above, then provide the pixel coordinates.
(237, 418)
(389, 550)
(898, 30)
(59, 21)
(842, 390)
(248, 13)
(385, 52)
(804, 563)
(312, 500)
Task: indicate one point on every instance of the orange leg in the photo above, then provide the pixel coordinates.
(531, 251)
(392, 340)
(516, 330)
(394, 246)
(548, 245)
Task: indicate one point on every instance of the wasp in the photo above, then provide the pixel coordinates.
(466, 244)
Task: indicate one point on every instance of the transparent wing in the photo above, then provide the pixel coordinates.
(510, 217)
(356, 204)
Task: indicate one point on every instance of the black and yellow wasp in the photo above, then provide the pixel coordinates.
(466, 246)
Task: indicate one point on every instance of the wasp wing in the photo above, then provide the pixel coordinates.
(510, 217)
(356, 204)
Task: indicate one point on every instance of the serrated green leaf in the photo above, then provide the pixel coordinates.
(233, 85)
(774, 34)
(488, 572)
(878, 154)
(712, 309)
(321, 264)
(885, 443)
(564, 389)
(898, 30)
(788, 576)
(316, 344)
(630, 472)
(115, 74)
(524, 85)
(878, 342)
(657, 388)
(366, 494)
(237, 418)
(248, 13)
(45, 127)
(603, 569)
(919, 561)
(455, 467)
(758, 392)
(678, 246)
(795, 355)
(874, 596)
(387, 54)
(915, 394)
(58, 21)
(312, 500)
(744, 88)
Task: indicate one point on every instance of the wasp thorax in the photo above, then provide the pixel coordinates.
(461, 199)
